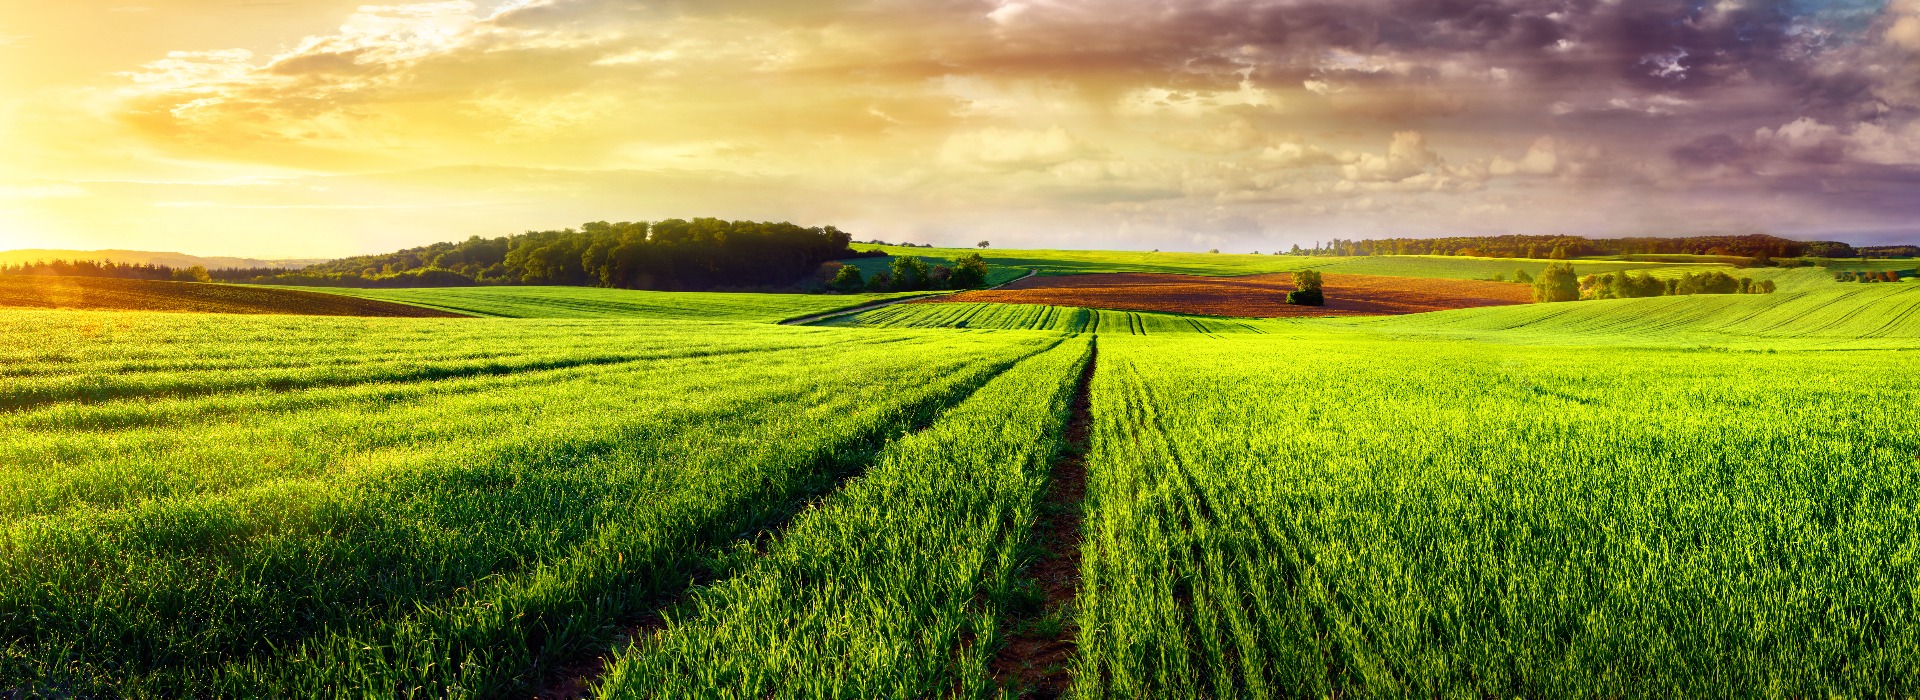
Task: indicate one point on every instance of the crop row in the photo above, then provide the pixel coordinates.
(1402, 518)
(445, 536)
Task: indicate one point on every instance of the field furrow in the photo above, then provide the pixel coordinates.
(893, 587)
(1436, 518)
(205, 554)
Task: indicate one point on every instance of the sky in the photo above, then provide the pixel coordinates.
(321, 128)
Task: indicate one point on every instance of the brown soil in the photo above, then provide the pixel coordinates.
(106, 294)
(1034, 663)
(1253, 296)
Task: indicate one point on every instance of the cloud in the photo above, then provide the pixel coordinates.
(41, 192)
(1407, 157)
(1904, 32)
(1011, 149)
(1542, 158)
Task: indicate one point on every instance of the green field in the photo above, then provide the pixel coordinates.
(1079, 262)
(1664, 497)
(1035, 317)
(594, 302)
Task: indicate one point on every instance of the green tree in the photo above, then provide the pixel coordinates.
(1306, 289)
(848, 279)
(1557, 283)
(1520, 275)
(982, 244)
(880, 282)
(910, 274)
(969, 272)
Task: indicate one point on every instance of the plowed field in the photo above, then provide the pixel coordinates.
(1253, 296)
(103, 294)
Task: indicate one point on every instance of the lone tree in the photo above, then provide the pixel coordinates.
(982, 244)
(848, 279)
(1306, 289)
(1557, 283)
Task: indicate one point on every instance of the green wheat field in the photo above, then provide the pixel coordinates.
(1701, 496)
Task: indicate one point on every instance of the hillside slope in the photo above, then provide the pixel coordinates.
(106, 294)
(1837, 315)
(596, 302)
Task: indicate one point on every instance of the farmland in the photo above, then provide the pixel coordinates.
(89, 293)
(1081, 262)
(575, 492)
(1253, 296)
(592, 302)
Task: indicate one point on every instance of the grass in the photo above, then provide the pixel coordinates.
(445, 535)
(1078, 262)
(1838, 316)
(1399, 518)
(594, 302)
(894, 586)
(1036, 317)
(1673, 497)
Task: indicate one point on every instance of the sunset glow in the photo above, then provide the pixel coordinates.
(317, 128)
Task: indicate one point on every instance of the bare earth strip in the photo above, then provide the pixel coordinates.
(1252, 296)
(103, 294)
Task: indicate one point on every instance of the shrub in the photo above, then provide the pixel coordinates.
(1521, 275)
(969, 272)
(910, 274)
(1306, 297)
(848, 279)
(1557, 283)
(1307, 280)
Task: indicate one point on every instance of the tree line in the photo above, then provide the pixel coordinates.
(910, 274)
(134, 271)
(1559, 282)
(1557, 247)
(1869, 275)
(673, 254)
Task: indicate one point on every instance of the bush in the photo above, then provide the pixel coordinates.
(910, 274)
(969, 272)
(1306, 297)
(1521, 275)
(1557, 283)
(848, 279)
(1307, 280)
(880, 282)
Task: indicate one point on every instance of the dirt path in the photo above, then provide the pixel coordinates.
(1040, 645)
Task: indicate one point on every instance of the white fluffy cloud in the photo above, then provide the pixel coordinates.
(1407, 157)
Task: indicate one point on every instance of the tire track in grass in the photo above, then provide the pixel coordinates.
(576, 677)
(1040, 642)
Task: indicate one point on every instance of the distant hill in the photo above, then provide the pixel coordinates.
(143, 257)
(103, 294)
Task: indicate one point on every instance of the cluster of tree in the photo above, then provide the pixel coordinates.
(1568, 247)
(1888, 251)
(674, 254)
(111, 269)
(877, 241)
(1867, 276)
(911, 274)
(1559, 282)
(1306, 289)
